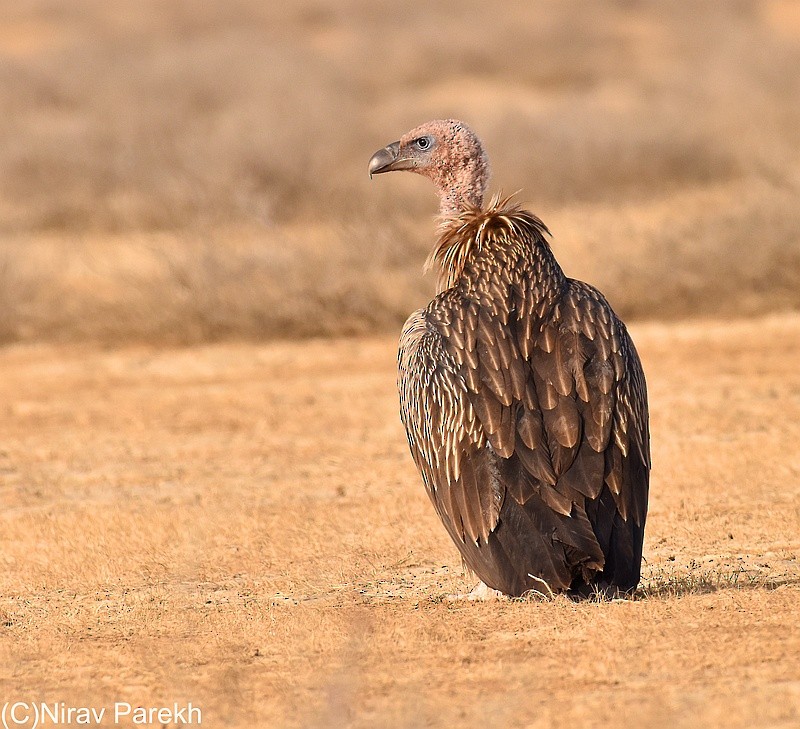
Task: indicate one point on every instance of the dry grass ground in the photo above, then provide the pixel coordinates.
(190, 171)
(241, 526)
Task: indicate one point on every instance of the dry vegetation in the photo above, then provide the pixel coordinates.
(241, 526)
(196, 170)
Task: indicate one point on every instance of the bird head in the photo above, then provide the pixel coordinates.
(448, 153)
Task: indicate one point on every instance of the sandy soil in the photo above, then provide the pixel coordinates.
(241, 527)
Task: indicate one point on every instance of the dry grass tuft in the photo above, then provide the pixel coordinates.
(669, 582)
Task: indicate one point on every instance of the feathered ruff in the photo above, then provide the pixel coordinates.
(468, 231)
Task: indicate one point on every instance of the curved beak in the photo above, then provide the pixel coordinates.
(388, 160)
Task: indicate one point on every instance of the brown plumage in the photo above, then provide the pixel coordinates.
(522, 394)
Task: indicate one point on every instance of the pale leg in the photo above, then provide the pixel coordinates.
(480, 593)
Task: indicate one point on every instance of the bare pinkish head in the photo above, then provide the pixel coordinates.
(448, 153)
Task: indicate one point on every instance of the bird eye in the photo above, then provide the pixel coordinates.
(423, 143)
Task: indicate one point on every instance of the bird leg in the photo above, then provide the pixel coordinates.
(480, 593)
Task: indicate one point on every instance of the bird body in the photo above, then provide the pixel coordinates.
(524, 401)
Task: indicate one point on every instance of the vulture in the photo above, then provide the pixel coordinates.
(521, 392)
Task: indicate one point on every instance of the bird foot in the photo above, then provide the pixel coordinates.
(480, 593)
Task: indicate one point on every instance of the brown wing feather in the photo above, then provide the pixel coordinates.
(444, 433)
(598, 352)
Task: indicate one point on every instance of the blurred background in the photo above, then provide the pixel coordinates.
(186, 171)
